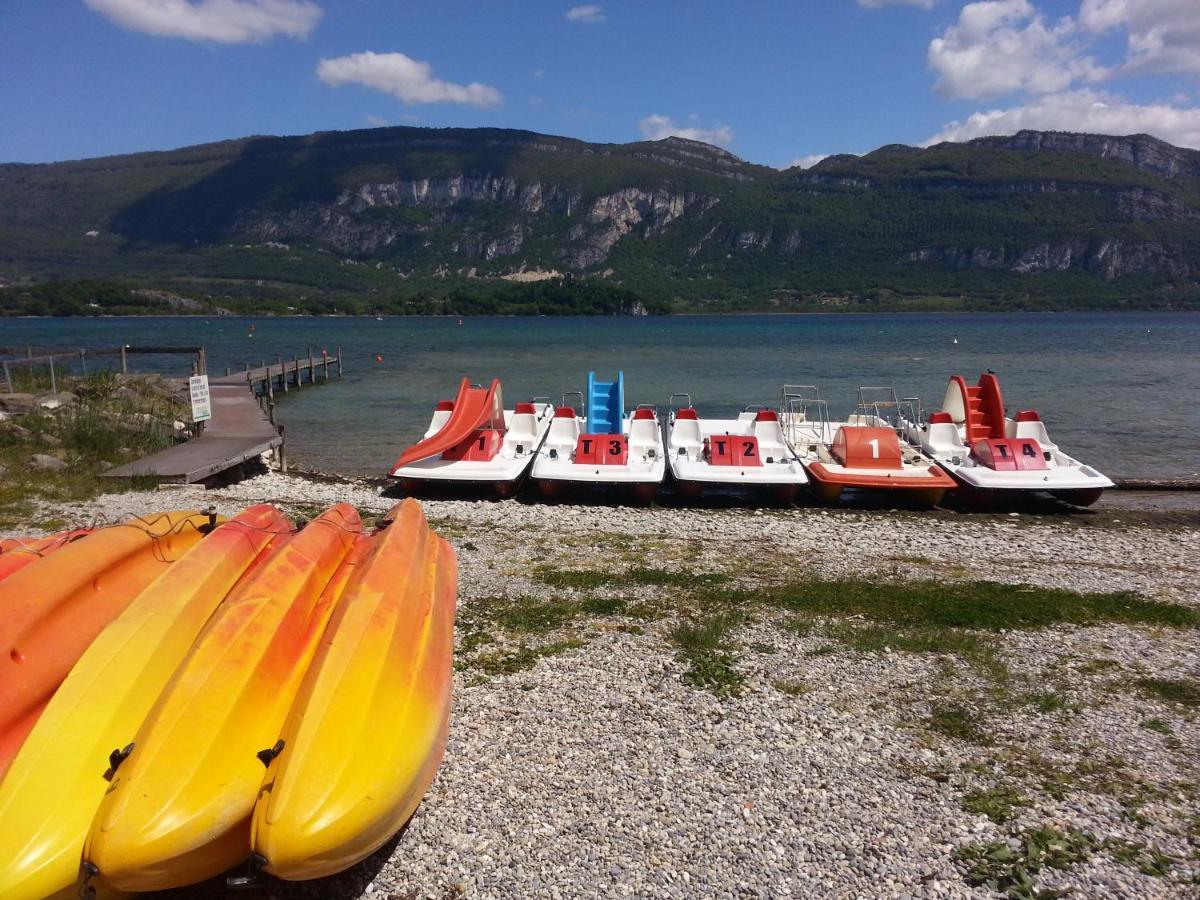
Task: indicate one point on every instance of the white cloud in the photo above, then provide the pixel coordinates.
(1001, 46)
(375, 121)
(876, 4)
(587, 15)
(807, 162)
(1082, 110)
(656, 127)
(401, 76)
(222, 21)
(1163, 35)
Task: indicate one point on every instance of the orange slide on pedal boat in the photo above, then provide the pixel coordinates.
(474, 408)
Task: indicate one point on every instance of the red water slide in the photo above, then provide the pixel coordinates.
(474, 408)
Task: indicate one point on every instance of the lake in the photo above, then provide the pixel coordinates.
(1117, 390)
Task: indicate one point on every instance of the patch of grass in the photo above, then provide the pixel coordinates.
(1146, 860)
(506, 663)
(603, 606)
(1156, 724)
(592, 579)
(711, 660)
(529, 615)
(1183, 691)
(957, 721)
(976, 605)
(764, 648)
(793, 687)
(998, 803)
(1098, 665)
(1044, 701)
(1013, 871)
(976, 650)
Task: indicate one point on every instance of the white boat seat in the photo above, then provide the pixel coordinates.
(643, 433)
(685, 433)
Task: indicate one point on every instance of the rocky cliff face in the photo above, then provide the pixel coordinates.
(356, 222)
(1108, 258)
(1140, 150)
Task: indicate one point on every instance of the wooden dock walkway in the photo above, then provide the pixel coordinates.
(242, 426)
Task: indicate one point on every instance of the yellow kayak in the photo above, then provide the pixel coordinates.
(51, 793)
(369, 725)
(178, 809)
(55, 607)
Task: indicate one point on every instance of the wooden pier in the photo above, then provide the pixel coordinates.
(242, 426)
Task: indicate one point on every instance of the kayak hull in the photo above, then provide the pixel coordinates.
(55, 786)
(178, 809)
(370, 723)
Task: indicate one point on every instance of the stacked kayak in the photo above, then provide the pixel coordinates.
(272, 695)
(54, 608)
(17, 553)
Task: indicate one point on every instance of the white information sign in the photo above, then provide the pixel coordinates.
(201, 403)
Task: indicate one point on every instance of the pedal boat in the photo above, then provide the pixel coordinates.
(861, 454)
(473, 440)
(992, 456)
(747, 453)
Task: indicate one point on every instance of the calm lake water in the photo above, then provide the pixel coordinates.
(1116, 390)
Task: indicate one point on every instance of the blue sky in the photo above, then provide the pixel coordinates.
(774, 82)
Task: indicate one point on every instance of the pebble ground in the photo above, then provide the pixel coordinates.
(591, 766)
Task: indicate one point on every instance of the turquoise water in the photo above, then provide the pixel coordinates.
(1116, 390)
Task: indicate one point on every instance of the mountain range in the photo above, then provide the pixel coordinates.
(425, 219)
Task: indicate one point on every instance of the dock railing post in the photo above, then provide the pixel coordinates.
(282, 373)
(338, 351)
(227, 370)
(282, 450)
(124, 360)
(8, 378)
(296, 367)
(83, 360)
(325, 363)
(202, 362)
(271, 408)
(53, 383)
(312, 379)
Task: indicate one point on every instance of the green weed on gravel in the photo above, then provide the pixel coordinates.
(957, 721)
(711, 659)
(591, 579)
(997, 803)
(508, 662)
(1183, 691)
(1012, 871)
(976, 605)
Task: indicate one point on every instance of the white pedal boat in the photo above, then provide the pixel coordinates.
(571, 458)
(473, 440)
(862, 453)
(991, 454)
(746, 453)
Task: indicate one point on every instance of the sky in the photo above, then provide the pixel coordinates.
(777, 82)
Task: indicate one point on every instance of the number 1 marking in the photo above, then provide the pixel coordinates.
(874, 442)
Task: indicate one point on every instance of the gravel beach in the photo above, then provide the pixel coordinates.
(621, 729)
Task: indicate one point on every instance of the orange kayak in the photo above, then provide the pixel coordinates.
(17, 553)
(178, 809)
(368, 728)
(55, 607)
(52, 790)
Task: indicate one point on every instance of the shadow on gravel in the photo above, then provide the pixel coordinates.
(351, 883)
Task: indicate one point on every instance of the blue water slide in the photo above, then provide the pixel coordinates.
(605, 404)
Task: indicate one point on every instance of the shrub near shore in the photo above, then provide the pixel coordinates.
(53, 448)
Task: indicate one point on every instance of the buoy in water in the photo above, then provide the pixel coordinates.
(378, 357)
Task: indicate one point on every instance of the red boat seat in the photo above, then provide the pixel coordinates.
(766, 415)
(1028, 415)
(686, 412)
(525, 408)
(481, 446)
(643, 414)
(733, 450)
(602, 450)
(1009, 454)
(565, 412)
(941, 418)
(445, 406)
(861, 447)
